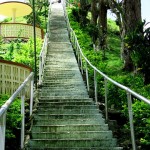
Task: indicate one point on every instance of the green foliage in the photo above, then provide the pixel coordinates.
(141, 112)
(23, 52)
(112, 27)
(41, 8)
(13, 122)
(138, 42)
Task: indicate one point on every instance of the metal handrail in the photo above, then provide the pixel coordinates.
(3, 110)
(42, 58)
(81, 57)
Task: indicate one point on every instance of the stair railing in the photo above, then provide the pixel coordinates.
(42, 57)
(3, 109)
(82, 59)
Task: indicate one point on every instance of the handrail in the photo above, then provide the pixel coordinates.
(129, 92)
(42, 58)
(3, 110)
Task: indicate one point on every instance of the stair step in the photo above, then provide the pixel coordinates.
(59, 31)
(73, 142)
(59, 45)
(43, 99)
(63, 73)
(66, 111)
(78, 148)
(71, 94)
(69, 116)
(71, 127)
(65, 97)
(69, 121)
(49, 104)
(64, 82)
(70, 106)
(65, 90)
(72, 135)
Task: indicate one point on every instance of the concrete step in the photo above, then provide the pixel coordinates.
(65, 116)
(65, 97)
(73, 142)
(69, 128)
(62, 67)
(59, 46)
(67, 111)
(69, 94)
(69, 121)
(69, 107)
(63, 91)
(59, 56)
(64, 82)
(63, 77)
(72, 135)
(59, 37)
(78, 148)
(63, 103)
(60, 62)
(45, 99)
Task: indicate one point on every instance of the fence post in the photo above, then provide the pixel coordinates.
(131, 120)
(95, 84)
(106, 98)
(2, 131)
(23, 118)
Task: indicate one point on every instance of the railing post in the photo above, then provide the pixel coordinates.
(131, 120)
(31, 96)
(95, 84)
(23, 118)
(40, 70)
(87, 77)
(81, 64)
(2, 131)
(106, 98)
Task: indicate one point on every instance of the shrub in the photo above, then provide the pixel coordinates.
(13, 122)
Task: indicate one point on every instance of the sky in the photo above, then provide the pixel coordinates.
(145, 10)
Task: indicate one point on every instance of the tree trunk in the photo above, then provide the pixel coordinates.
(83, 12)
(102, 24)
(94, 12)
(132, 16)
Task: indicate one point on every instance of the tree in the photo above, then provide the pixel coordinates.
(132, 16)
(128, 15)
(83, 11)
(102, 24)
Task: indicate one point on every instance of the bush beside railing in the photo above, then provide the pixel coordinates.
(11, 76)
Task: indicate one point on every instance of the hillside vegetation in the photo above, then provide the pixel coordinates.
(110, 63)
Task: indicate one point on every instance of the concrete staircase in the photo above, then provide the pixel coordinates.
(66, 119)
